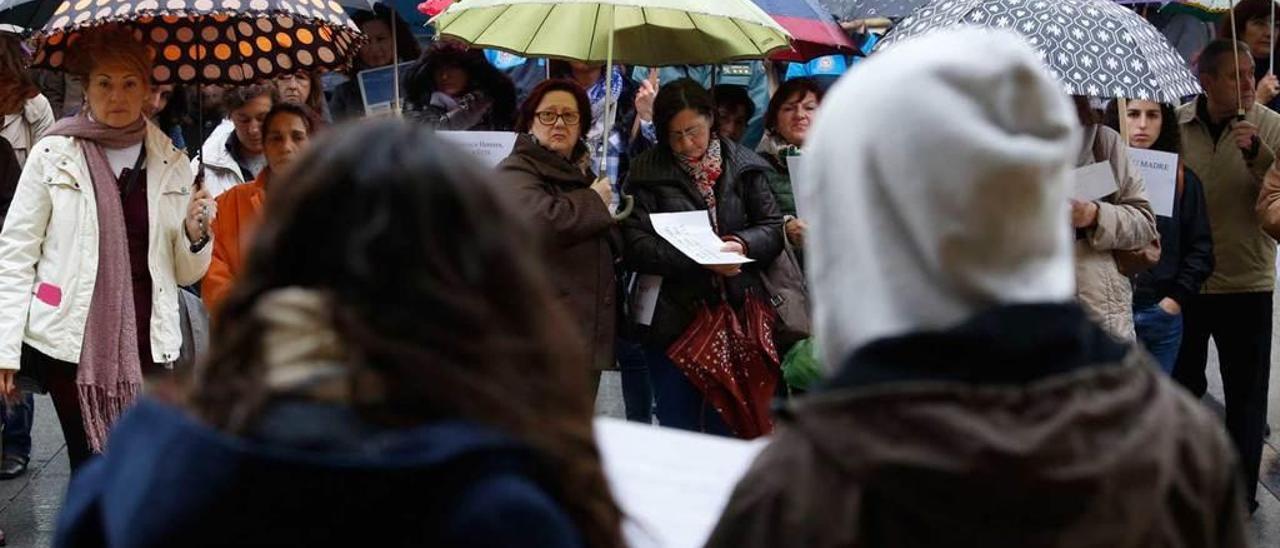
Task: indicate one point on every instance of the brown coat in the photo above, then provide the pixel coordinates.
(1026, 426)
(581, 238)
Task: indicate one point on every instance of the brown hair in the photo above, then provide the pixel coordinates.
(16, 86)
(110, 43)
(529, 109)
(435, 291)
(303, 112)
(239, 96)
(789, 89)
(1245, 11)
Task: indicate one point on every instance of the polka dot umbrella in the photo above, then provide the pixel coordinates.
(213, 41)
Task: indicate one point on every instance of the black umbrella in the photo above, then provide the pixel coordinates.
(27, 14)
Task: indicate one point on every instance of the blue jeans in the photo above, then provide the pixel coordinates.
(637, 395)
(679, 404)
(17, 427)
(1160, 332)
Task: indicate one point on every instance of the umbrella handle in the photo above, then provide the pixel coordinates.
(628, 204)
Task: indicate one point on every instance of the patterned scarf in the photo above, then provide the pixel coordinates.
(705, 173)
(595, 136)
(109, 376)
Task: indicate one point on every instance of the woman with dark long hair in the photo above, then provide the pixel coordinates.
(1185, 245)
(25, 113)
(390, 370)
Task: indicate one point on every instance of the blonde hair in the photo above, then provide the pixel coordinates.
(110, 44)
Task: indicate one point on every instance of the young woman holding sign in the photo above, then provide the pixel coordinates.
(1185, 244)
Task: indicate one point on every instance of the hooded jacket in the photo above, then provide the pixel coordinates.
(309, 475)
(1026, 426)
(972, 404)
(745, 209)
(582, 239)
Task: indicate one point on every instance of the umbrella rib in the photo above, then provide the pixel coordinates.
(536, 32)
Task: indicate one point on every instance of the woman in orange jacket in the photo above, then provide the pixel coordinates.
(288, 129)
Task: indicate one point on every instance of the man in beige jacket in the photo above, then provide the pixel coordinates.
(1231, 155)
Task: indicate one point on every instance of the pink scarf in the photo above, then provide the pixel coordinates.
(109, 376)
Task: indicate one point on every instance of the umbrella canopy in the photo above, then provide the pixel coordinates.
(646, 32)
(227, 41)
(814, 31)
(28, 14)
(1094, 47)
(849, 10)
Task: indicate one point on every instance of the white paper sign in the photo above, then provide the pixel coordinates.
(690, 232)
(489, 147)
(672, 485)
(1094, 182)
(645, 301)
(799, 177)
(1160, 174)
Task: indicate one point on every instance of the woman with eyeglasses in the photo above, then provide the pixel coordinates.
(552, 171)
(692, 169)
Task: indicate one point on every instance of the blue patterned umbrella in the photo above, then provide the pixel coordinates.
(1094, 47)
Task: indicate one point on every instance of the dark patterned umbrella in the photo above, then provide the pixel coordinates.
(1094, 47)
(214, 41)
(848, 10)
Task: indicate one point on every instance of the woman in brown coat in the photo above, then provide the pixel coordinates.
(554, 184)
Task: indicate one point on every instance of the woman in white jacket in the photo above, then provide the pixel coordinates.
(104, 227)
(25, 115)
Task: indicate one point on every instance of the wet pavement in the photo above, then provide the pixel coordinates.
(29, 504)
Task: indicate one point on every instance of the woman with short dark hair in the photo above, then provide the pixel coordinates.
(693, 169)
(791, 112)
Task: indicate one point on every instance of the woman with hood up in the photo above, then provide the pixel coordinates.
(971, 402)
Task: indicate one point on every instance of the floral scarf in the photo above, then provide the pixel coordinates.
(705, 173)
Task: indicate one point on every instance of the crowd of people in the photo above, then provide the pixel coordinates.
(387, 317)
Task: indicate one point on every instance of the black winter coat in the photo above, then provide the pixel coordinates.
(1186, 250)
(745, 209)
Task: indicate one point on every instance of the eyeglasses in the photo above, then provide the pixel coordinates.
(690, 133)
(548, 118)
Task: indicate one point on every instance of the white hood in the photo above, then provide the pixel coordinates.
(940, 172)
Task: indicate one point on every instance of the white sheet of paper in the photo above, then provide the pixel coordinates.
(489, 147)
(645, 301)
(799, 177)
(1094, 181)
(690, 232)
(1160, 174)
(671, 484)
